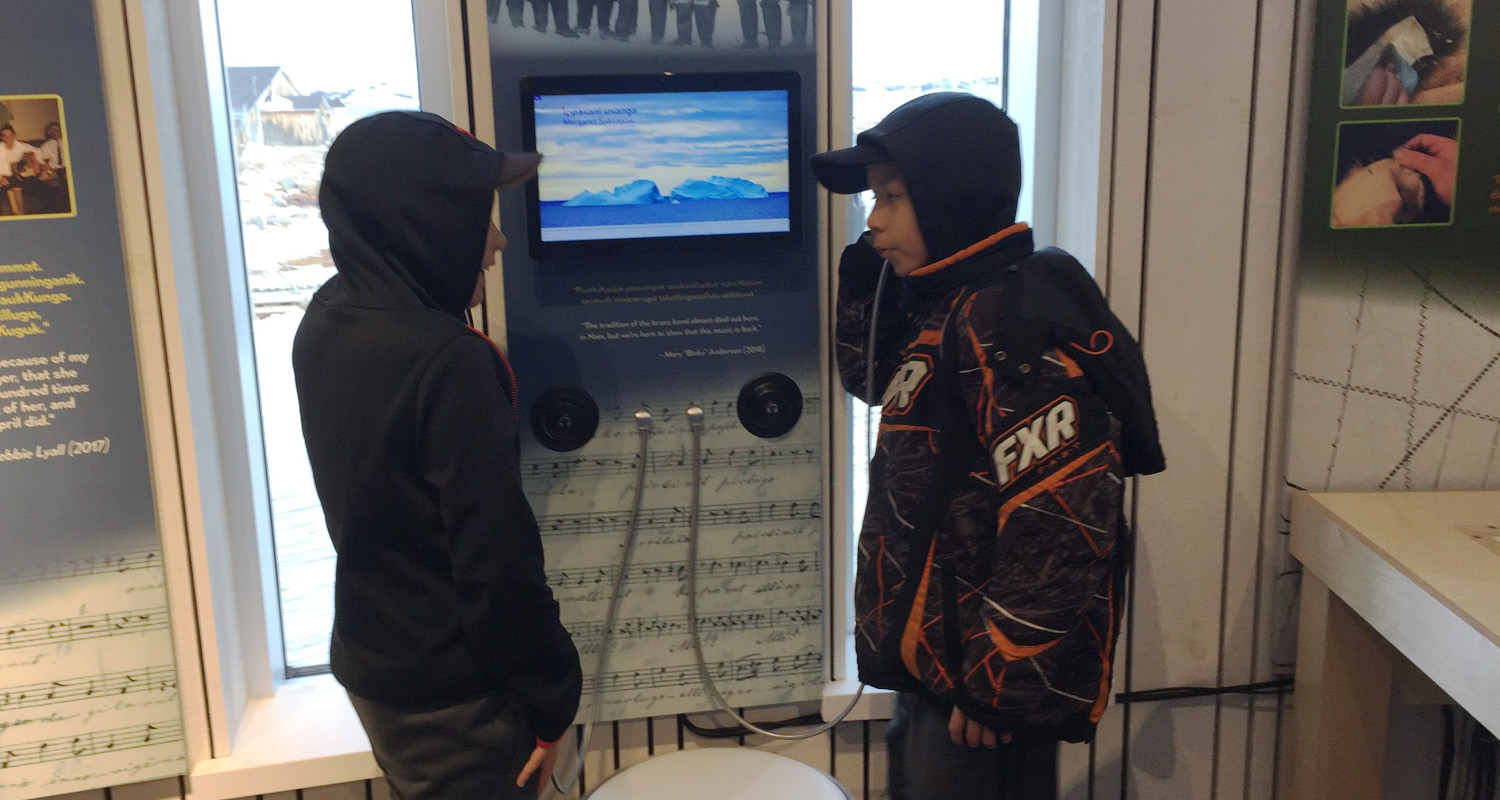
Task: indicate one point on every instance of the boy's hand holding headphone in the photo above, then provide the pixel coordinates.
(859, 267)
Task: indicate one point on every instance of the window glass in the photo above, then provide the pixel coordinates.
(902, 50)
(297, 73)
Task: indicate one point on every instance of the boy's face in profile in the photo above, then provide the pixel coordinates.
(494, 242)
(897, 237)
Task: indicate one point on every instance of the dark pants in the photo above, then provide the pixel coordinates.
(514, 8)
(798, 11)
(627, 17)
(770, 11)
(51, 196)
(926, 765)
(471, 751)
(749, 23)
(657, 9)
(586, 14)
(704, 13)
(559, 12)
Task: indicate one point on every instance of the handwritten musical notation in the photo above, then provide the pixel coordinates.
(736, 458)
(131, 737)
(645, 627)
(96, 565)
(93, 626)
(760, 570)
(110, 684)
(663, 571)
(88, 689)
(675, 517)
(739, 669)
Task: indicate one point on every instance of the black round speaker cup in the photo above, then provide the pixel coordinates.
(564, 418)
(770, 405)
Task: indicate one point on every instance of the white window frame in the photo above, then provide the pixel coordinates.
(1056, 79)
(249, 729)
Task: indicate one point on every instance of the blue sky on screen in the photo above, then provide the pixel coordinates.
(599, 142)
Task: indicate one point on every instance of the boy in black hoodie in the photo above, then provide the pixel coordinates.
(993, 551)
(445, 632)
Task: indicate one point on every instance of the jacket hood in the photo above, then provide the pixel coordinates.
(960, 157)
(406, 197)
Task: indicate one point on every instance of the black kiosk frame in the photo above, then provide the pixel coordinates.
(665, 235)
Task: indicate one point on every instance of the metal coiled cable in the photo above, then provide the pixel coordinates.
(885, 269)
(695, 423)
(643, 428)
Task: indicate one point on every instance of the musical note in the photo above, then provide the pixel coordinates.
(62, 748)
(767, 564)
(759, 577)
(643, 627)
(70, 689)
(93, 626)
(675, 517)
(738, 669)
(96, 565)
(670, 461)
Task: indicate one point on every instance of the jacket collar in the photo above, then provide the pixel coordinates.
(935, 280)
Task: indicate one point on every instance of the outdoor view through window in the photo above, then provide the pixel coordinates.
(296, 73)
(902, 51)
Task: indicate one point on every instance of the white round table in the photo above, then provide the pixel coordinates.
(720, 773)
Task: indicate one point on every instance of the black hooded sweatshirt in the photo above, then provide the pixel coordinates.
(1013, 404)
(410, 423)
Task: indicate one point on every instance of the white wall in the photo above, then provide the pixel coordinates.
(1192, 255)
(30, 117)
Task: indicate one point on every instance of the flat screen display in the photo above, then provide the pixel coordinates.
(637, 162)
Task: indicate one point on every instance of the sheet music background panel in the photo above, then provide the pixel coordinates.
(88, 687)
(665, 330)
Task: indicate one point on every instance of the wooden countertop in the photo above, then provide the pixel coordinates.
(1423, 569)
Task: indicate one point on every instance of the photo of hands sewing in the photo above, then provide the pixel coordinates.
(1406, 52)
(1396, 173)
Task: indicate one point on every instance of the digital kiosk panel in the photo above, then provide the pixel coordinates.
(662, 162)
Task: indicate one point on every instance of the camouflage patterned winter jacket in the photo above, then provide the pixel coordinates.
(993, 550)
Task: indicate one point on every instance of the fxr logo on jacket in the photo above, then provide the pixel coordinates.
(1035, 440)
(906, 384)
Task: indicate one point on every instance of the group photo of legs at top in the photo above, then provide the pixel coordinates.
(764, 24)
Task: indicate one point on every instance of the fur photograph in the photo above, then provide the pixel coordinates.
(1406, 52)
(1395, 173)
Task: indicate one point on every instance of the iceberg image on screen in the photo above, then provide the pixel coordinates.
(629, 166)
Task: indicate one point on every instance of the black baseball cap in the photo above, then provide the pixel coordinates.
(902, 132)
(517, 168)
(435, 145)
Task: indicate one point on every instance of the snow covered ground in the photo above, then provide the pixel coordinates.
(286, 245)
(287, 259)
(304, 556)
